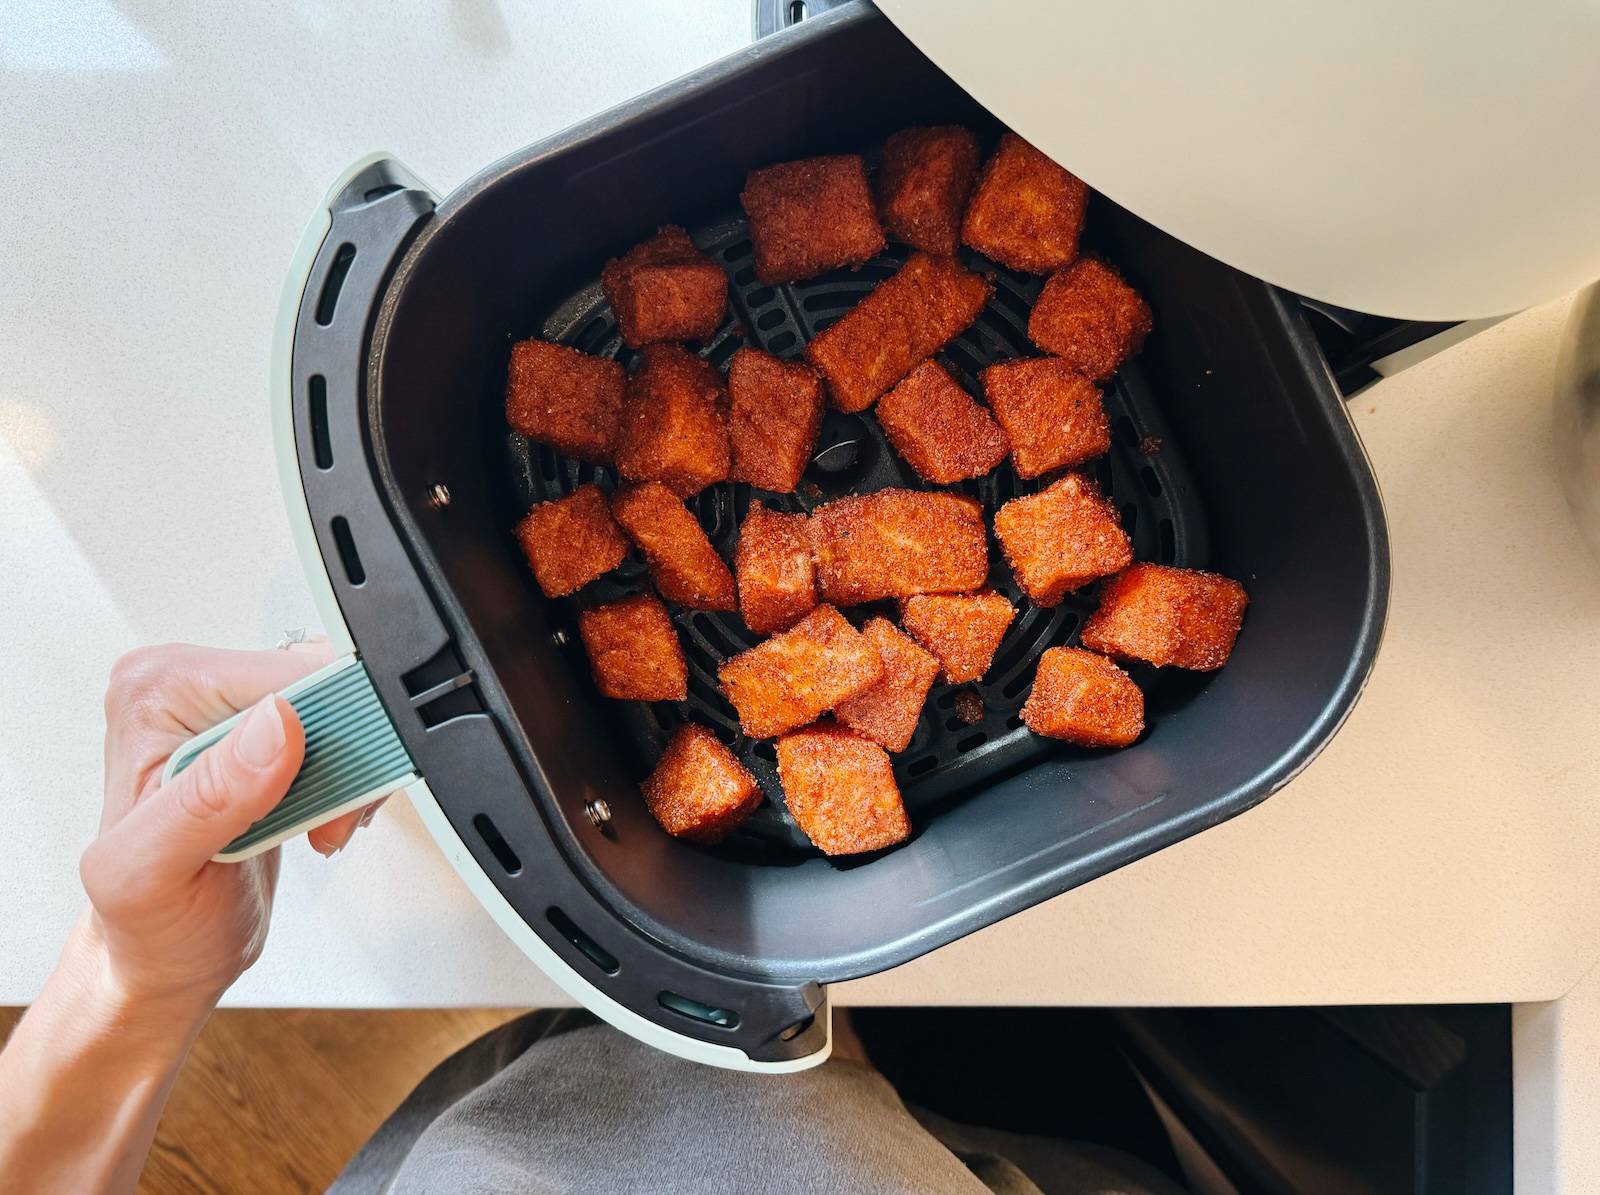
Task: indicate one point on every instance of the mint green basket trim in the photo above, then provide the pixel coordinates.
(351, 749)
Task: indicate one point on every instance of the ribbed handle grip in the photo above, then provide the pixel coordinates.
(353, 756)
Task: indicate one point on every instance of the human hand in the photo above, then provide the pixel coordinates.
(88, 1068)
(174, 927)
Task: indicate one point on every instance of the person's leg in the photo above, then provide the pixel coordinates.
(530, 1107)
(374, 1167)
(595, 1111)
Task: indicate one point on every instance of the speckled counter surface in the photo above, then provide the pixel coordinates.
(1441, 849)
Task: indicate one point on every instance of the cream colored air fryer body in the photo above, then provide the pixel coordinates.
(1423, 160)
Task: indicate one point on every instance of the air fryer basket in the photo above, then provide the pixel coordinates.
(948, 757)
(1232, 452)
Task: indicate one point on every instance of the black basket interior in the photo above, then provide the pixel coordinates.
(948, 756)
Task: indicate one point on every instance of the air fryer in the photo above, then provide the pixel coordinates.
(1232, 451)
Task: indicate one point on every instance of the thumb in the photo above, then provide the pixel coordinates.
(230, 785)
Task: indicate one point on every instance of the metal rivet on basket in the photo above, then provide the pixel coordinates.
(599, 813)
(438, 496)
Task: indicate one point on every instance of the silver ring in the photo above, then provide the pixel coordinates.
(290, 638)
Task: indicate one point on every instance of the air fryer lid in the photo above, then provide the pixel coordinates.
(1410, 160)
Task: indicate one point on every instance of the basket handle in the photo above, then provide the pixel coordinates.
(353, 756)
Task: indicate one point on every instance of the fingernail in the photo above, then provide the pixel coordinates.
(337, 845)
(366, 818)
(260, 736)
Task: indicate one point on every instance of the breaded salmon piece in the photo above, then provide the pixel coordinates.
(840, 789)
(943, 433)
(773, 566)
(1061, 538)
(1084, 699)
(894, 543)
(887, 713)
(775, 414)
(634, 650)
(1027, 211)
(1053, 416)
(963, 630)
(665, 289)
(566, 399)
(796, 676)
(1182, 617)
(674, 422)
(699, 789)
(810, 216)
(908, 318)
(1090, 318)
(923, 184)
(683, 564)
(570, 541)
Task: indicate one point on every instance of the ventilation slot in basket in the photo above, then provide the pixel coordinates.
(587, 946)
(498, 846)
(348, 556)
(328, 301)
(708, 1014)
(321, 442)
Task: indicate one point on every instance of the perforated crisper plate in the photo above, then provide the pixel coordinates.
(947, 758)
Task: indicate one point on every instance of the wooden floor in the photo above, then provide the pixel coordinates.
(278, 1100)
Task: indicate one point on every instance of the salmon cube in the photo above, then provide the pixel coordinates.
(699, 789)
(674, 429)
(1028, 211)
(571, 541)
(1090, 318)
(907, 319)
(894, 543)
(840, 790)
(775, 416)
(1061, 538)
(796, 676)
(634, 650)
(1165, 615)
(938, 427)
(1084, 699)
(887, 713)
(777, 579)
(665, 289)
(1053, 416)
(810, 216)
(683, 564)
(923, 184)
(566, 399)
(963, 630)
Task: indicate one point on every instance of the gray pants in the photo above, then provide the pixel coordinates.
(552, 1102)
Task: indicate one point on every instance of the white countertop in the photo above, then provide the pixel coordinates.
(160, 165)
(1442, 848)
